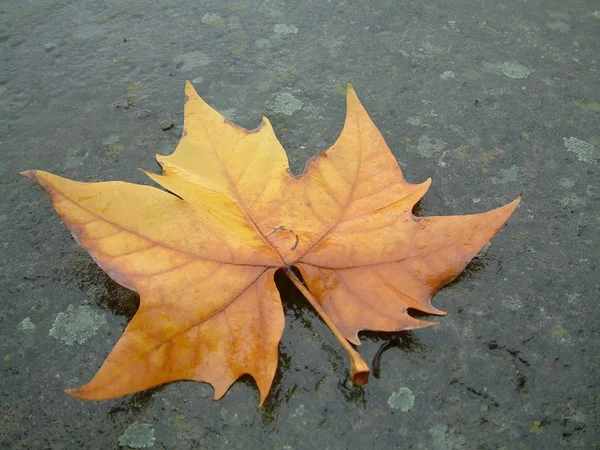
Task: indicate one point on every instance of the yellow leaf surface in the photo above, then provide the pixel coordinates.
(203, 260)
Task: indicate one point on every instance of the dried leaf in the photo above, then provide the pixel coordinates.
(203, 260)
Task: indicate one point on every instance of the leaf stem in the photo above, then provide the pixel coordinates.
(359, 370)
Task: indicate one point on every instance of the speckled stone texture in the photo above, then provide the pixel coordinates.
(491, 99)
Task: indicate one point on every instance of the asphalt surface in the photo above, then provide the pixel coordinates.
(490, 99)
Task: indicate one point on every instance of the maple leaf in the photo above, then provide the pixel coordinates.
(203, 256)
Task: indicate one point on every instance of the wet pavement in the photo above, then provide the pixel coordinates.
(490, 99)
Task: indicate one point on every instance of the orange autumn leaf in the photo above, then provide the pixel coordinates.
(203, 255)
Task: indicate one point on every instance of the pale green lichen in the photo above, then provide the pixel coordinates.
(282, 28)
(76, 324)
(416, 121)
(113, 148)
(262, 43)
(430, 50)
(573, 299)
(572, 200)
(138, 435)
(514, 70)
(287, 104)
(26, 324)
(558, 331)
(585, 151)
(132, 92)
(212, 19)
(559, 25)
(444, 439)
(509, 175)
(191, 60)
(340, 90)
(591, 106)
(404, 400)
(239, 47)
(537, 427)
(427, 147)
(299, 411)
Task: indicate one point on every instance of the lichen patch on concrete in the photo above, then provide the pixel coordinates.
(514, 70)
(26, 324)
(138, 435)
(191, 60)
(282, 28)
(590, 106)
(262, 43)
(403, 399)
(585, 151)
(212, 19)
(416, 121)
(444, 439)
(428, 147)
(505, 176)
(286, 103)
(566, 182)
(77, 324)
(559, 25)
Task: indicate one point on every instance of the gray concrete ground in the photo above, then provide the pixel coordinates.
(490, 98)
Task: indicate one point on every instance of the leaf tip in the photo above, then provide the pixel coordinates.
(31, 174)
(433, 310)
(265, 122)
(510, 207)
(350, 92)
(74, 392)
(263, 397)
(190, 92)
